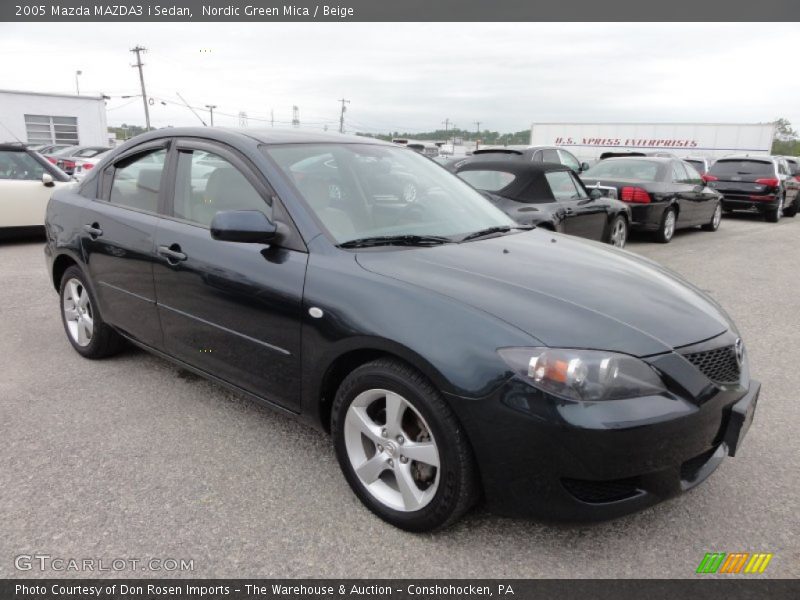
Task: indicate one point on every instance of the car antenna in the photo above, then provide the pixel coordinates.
(12, 133)
(191, 109)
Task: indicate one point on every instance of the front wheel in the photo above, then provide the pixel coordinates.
(791, 211)
(401, 448)
(716, 219)
(618, 232)
(667, 227)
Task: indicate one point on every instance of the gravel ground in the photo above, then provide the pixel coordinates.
(133, 458)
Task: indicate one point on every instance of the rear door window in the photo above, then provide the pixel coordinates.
(137, 181)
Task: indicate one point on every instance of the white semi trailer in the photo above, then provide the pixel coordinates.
(588, 141)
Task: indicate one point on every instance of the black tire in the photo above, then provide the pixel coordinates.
(716, 219)
(774, 215)
(664, 234)
(791, 211)
(457, 487)
(104, 340)
(618, 223)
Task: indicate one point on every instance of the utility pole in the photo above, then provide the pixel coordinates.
(242, 119)
(295, 116)
(272, 117)
(478, 133)
(211, 108)
(341, 116)
(77, 85)
(138, 50)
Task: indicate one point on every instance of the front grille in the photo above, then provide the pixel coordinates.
(596, 492)
(719, 365)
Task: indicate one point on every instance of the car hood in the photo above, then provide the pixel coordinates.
(563, 291)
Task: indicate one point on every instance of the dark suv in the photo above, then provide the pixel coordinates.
(756, 183)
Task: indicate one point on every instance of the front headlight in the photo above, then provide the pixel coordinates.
(584, 374)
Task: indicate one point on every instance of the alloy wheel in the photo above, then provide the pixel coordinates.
(717, 219)
(619, 234)
(78, 312)
(669, 225)
(392, 450)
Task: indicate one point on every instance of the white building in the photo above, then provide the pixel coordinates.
(39, 118)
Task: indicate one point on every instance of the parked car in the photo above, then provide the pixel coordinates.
(50, 148)
(82, 166)
(26, 182)
(66, 158)
(664, 194)
(452, 354)
(700, 163)
(547, 195)
(538, 154)
(763, 184)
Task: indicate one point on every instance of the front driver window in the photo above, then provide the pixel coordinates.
(562, 185)
(207, 183)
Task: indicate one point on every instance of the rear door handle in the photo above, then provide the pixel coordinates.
(93, 230)
(172, 253)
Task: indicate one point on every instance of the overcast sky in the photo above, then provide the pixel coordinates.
(410, 77)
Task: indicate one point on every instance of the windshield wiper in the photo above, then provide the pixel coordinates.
(490, 230)
(396, 240)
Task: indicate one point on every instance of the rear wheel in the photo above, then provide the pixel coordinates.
(774, 215)
(618, 232)
(716, 219)
(667, 227)
(86, 331)
(401, 448)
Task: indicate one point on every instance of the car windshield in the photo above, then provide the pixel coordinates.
(360, 191)
(624, 168)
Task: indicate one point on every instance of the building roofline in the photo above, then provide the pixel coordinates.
(56, 95)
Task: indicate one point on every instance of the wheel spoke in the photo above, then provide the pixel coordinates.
(366, 425)
(395, 407)
(371, 469)
(412, 495)
(83, 300)
(74, 294)
(424, 452)
(88, 324)
(71, 313)
(82, 337)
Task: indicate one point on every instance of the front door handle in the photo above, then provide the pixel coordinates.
(93, 230)
(569, 211)
(172, 253)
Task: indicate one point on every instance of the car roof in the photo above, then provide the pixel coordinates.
(13, 146)
(515, 164)
(760, 158)
(658, 159)
(262, 136)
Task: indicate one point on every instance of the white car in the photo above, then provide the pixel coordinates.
(84, 165)
(26, 182)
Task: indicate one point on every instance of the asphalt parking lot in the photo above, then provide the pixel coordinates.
(133, 458)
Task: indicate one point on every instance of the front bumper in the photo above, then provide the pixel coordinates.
(544, 457)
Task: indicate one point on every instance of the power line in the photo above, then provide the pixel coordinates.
(138, 50)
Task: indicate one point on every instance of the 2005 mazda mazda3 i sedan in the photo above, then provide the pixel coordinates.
(453, 355)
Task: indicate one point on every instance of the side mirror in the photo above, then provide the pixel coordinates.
(584, 166)
(245, 226)
(594, 194)
(47, 180)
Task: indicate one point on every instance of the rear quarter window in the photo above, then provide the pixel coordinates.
(491, 181)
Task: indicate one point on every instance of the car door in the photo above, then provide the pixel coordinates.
(583, 216)
(23, 194)
(790, 184)
(118, 240)
(685, 194)
(704, 198)
(231, 309)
